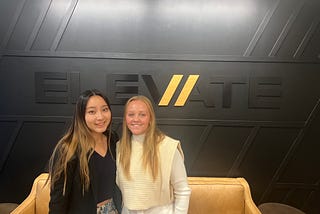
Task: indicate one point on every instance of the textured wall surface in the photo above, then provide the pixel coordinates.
(236, 81)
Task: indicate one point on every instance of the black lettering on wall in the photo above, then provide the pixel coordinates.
(120, 87)
(265, 92)
(56, 87)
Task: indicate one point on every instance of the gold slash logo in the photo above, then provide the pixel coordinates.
(172, 87)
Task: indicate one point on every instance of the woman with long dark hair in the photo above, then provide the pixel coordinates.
(82, 167)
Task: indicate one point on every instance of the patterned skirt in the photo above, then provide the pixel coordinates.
(107, 207)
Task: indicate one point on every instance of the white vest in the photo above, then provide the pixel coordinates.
(141, 192)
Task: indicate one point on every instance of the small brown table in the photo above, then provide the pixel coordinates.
(278, 208)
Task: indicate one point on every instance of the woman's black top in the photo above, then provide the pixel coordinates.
(77, 200)
(105, 168)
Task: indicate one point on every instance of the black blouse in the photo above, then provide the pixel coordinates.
(105, 168)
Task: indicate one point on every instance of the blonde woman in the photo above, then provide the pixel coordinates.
(82, 168)
(150, 167)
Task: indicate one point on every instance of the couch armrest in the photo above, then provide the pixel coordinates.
(220, 195)
(250, 206)
(28, 206)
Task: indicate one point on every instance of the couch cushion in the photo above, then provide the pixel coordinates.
(216, 198)
(42, 197)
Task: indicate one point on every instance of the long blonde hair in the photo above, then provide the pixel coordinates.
(76, 143)
(153, 137)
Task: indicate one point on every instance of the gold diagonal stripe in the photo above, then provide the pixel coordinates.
(172, 87)
(187, 88)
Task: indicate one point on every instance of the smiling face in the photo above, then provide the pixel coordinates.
(137, 117)
(97, 114)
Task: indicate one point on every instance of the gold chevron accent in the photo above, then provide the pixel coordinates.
(172, 87)
(187, 88)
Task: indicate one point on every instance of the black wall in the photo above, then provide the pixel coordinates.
(253, 107)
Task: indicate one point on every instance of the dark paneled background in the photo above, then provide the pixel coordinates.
(252, 112)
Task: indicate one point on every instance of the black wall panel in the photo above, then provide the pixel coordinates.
(251, 67)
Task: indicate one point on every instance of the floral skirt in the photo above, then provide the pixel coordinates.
(107, 208)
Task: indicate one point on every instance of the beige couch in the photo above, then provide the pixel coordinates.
(38, 200)
(209, 196)
(212, 195)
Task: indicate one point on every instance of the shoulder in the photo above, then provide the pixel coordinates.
(168, 139)
(61, 151)
(113, 141)
(171, 144)
(114, 137)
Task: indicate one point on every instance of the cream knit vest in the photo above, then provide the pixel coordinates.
(141, 192)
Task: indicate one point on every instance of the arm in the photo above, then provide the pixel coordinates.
(58, 202)
(179, 182)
